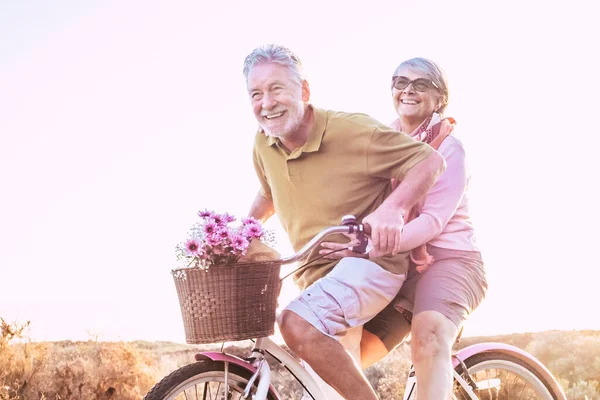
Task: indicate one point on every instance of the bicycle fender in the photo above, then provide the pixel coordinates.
(218, 356)
(514, 351)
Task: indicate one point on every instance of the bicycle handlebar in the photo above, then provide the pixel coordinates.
(349, 225)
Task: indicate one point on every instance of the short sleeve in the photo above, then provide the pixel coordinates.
(391, 154)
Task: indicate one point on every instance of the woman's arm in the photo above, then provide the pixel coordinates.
(441, 201)
(387, 220)
(439, 205)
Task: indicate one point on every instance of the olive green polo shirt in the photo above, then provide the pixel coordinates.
(345, 167)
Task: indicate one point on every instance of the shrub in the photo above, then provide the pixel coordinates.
(71, 370)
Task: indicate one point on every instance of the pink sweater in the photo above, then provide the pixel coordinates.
(444, 220)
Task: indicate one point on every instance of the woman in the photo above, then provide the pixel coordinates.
(446, 281)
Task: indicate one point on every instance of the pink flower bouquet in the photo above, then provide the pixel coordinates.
(217, 239)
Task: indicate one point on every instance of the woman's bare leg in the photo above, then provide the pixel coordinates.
(432, 338)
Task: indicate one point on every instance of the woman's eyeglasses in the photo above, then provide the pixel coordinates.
(419, 84)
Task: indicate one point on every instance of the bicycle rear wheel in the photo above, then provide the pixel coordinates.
(203, 380)
(500, 376)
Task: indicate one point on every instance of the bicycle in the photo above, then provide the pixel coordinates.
(481, 371)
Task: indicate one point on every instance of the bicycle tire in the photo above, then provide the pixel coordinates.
(492, 371)
(178, 383)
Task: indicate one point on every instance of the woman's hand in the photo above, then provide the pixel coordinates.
(353, 241)
(328, 246)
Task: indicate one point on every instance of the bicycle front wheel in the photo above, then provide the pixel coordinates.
(500, 376)
(204, 380)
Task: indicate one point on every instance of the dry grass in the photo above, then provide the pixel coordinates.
(117, 370)
(71, 370)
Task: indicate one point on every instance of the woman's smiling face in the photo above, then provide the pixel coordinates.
(412, 105)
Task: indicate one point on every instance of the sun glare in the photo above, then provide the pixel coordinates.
(121, 120)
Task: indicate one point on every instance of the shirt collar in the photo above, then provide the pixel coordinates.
(313, 143)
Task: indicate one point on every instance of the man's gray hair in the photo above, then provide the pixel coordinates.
(272, 53)
(433, 72)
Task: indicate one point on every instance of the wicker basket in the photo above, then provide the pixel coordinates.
(228, 302)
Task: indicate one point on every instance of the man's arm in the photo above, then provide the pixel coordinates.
(388, 219)
(262, 209)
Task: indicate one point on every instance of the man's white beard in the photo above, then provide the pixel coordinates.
(291, 126)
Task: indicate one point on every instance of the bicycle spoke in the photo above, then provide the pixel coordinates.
(204, 381)
(215, 389)
(500, 380)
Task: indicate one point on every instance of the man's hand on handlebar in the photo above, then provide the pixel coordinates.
(386, 229)
(389, 233)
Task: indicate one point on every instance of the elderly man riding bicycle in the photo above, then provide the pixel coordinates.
(315, 166)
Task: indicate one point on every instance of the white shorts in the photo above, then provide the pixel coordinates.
(352, 293)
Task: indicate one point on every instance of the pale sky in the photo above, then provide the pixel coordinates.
(120, 119)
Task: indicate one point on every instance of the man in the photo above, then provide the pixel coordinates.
(315, 166)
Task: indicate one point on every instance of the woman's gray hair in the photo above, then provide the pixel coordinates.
(272, 53)
(433, 72)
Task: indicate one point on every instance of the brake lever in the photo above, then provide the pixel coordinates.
(361, 247)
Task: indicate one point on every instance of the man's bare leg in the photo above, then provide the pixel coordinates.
(351, 342)
(326, 356)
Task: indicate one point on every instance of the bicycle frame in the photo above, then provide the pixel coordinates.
(261, 368)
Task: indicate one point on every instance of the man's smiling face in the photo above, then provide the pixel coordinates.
(277, 99)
